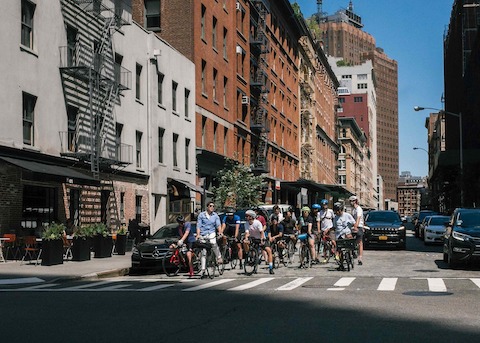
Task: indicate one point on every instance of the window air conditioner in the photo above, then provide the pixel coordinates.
(237, 6)
(245, 100)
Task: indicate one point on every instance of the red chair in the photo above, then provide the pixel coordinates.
(31, 249)
(11, 244)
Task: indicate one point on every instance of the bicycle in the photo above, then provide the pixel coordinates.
(176, 260)
(229, 252)
(326, 248)
(279, 253)
(252, 257)
(345, 248)
(206, 249)
(305, 254)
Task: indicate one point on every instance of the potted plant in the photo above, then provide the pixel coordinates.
(102, 241)
(52, 244)
(121, 241)
(82, 242)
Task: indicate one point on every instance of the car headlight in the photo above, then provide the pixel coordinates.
(135, 251)
(401, 228)
(460, 236)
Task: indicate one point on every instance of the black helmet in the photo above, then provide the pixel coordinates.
(180, 219)
(337, 207)
(230, 211)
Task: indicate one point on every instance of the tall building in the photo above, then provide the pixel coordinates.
(342, 36)
(411, 194)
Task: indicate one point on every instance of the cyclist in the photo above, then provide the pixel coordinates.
(325, 218)
(342, 222)
(208, 222)
(277, 211)
(289, 227)
(231, 228)
(254, 229)
(186, 235)
(275, 233)
(305, 223)
(357, 214)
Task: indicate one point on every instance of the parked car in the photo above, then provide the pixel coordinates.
(461, 241)
(434, 229)
(421, 227)
(269, 209)
(418, 220)
(384, 228)
(148, 255)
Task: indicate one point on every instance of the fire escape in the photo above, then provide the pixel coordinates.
(259, 88)
(93, 82)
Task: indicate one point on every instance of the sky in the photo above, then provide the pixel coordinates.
(410, 32)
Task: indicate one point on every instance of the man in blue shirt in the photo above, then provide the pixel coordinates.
(231, 228)
(186, 236)
(208, 222)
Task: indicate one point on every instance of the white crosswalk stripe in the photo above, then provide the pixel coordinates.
(476, 281)
(436, 285)
(294, 284)
(341, 284)
(387, 284)
(207, 285)
(251, 284)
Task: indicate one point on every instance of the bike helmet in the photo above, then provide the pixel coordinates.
(180, 219)
(337, 207)
(316, 207)
(353, 198)
(324, 202)
(305, 209)
(230, 211)
(251, 213)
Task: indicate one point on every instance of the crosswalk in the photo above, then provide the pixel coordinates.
(260, 284)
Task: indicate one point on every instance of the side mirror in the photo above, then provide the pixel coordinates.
(459, 222)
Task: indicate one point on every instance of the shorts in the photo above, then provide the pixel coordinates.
(359, 234)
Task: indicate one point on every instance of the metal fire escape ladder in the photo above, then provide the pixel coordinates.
(114, 214)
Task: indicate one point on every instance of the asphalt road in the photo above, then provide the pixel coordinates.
(396, 296)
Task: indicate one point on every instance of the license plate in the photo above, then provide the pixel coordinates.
(382, 238)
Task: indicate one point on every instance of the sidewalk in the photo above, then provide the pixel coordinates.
(117, 265)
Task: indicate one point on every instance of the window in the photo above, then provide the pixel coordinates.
(204, 78)
(187, 96)
(225, 85)
(215, 86)
(72, 34)
(204, 129)
(118, 141)
(214, 33)
(225, 141)
(362, 86)
(28, 117)
(225, 32)
(341, 100)
(175, 142)
(138, 208)
(138, 148)
(202, 23)
(342, 164)
(72, 113)
(117, 68)
(174, 96)
(161, 133)
(122, 205)
(342, 179)
(152, 15)
(241, 19)
(215, 130)
(160, 77)
(138, 74)
(187, 154)
(28, 10)
(357, 99)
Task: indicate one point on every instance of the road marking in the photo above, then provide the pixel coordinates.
(20, 281)
(336, 289)
(294, 284)
(387, 284)
(476, 281)
(38, 287)
(436, 285)
(154, 288)
(111, 288)
(87, 285)
(251, 284)
(344, 282)
(207, 285)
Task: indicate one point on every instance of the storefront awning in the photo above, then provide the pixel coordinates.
(189, 185)
(49, 169)
(303, 183)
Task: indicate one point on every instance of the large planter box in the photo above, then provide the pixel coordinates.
(102, 246)
(52, 252)
(121, 244)
(81, 249)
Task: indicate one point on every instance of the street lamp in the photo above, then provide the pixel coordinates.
(417, 148)
(459, 116)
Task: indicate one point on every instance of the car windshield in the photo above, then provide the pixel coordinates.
(424, 214)
(470, 218)
(388, 217)
(167, 231)
(438, 220)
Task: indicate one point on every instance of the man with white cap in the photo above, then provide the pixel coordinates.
(357, 228)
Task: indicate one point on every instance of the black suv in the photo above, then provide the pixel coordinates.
(461, 242)
(384, 228)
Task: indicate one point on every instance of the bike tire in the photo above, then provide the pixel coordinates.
(305, 256)
(290, 253)
(197, 260)
(170, 265)
(233, 258)
(276, 257)
(225, 257)
(211, 264)
(251, 261)
(348, 259)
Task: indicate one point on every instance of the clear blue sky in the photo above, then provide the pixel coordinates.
(410, 32)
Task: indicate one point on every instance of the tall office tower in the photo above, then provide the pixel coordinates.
(342, 36)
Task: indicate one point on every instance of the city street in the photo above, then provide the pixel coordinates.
(396, 296)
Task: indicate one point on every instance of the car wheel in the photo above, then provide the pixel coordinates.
(451, 261)
(445, 257)
(416, 232)
(425, 241)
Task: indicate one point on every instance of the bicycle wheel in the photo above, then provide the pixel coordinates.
(251, 261)
(350, 260)
(196, 260)
(225, 257)
(232, 251)
(276, 256)
(327, 250)
(347, 259)
(211, 264)
(171, 264)
(290, 252)
(305, 256)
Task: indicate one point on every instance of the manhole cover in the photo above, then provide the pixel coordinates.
(426, 293)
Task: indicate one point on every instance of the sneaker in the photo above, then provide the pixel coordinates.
(341, 268)
(271, 271)
(204, 275)
(337, 258)
(241, 265)
(324, 260)
(360, 262)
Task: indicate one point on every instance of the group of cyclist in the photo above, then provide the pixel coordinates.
(318, 223)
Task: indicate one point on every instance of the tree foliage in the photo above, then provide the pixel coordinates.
(237, 186)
